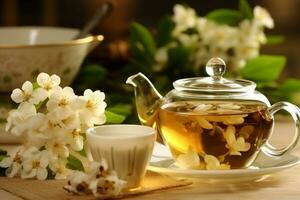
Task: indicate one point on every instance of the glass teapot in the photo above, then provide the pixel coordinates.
(224, 122)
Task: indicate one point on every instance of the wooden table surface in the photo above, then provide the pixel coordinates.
(282, 185)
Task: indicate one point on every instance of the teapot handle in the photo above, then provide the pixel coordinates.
(294, 111)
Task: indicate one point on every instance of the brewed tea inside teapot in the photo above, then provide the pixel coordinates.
(212, 122)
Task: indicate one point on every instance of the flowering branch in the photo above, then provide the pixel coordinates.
(52, 122)
(185, 41)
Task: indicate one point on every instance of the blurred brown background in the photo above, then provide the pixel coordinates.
(74, 13)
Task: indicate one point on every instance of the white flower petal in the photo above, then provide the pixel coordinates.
(190, 160)
(29, 174)
(99, 120)
(27, 165)
(31, 151)
(93, 186)
(59, 176)
(17, 95)
(78, 177)
(6, 162)
(87, 93)
(263, 17)
(161, 56)
(68, 91)
(39, 95)
(41, 173)
(55, 79)
(49, 83)
(203, 107)
(212, 162)
(26, 109)
(241, 145)
(15, 170)
(42, 79)
(64, 152)
(77, 143)
(27, 87)
(44, 160)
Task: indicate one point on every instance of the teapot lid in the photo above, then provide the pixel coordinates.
(215, 68)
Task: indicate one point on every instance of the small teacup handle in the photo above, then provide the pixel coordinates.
(294, 111)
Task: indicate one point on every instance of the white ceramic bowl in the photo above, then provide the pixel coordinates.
(26, 51)
(126, 148)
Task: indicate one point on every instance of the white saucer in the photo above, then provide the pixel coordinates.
(262, 167)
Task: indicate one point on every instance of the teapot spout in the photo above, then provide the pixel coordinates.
(147, 98)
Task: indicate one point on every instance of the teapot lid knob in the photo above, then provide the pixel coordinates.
(215, 68)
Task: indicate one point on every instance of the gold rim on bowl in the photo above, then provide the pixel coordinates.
(85, 40)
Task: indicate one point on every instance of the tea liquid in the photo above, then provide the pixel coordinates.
(231, 132)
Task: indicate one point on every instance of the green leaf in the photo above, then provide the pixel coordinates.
(269, 85)
(142, 47)
(142, 39)
(41, 104)
(164, 31)
(245, 9)
(225, 16)
(1, 157)
(290, 85)
(275, 39)
(122, 109)
(113, 118)
(179, 56)
(92, 74)
(74, 163)
(94, 71)
(82, 152)
(35, 85)
(264, 68)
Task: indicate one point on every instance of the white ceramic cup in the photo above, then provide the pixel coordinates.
(126, 148)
